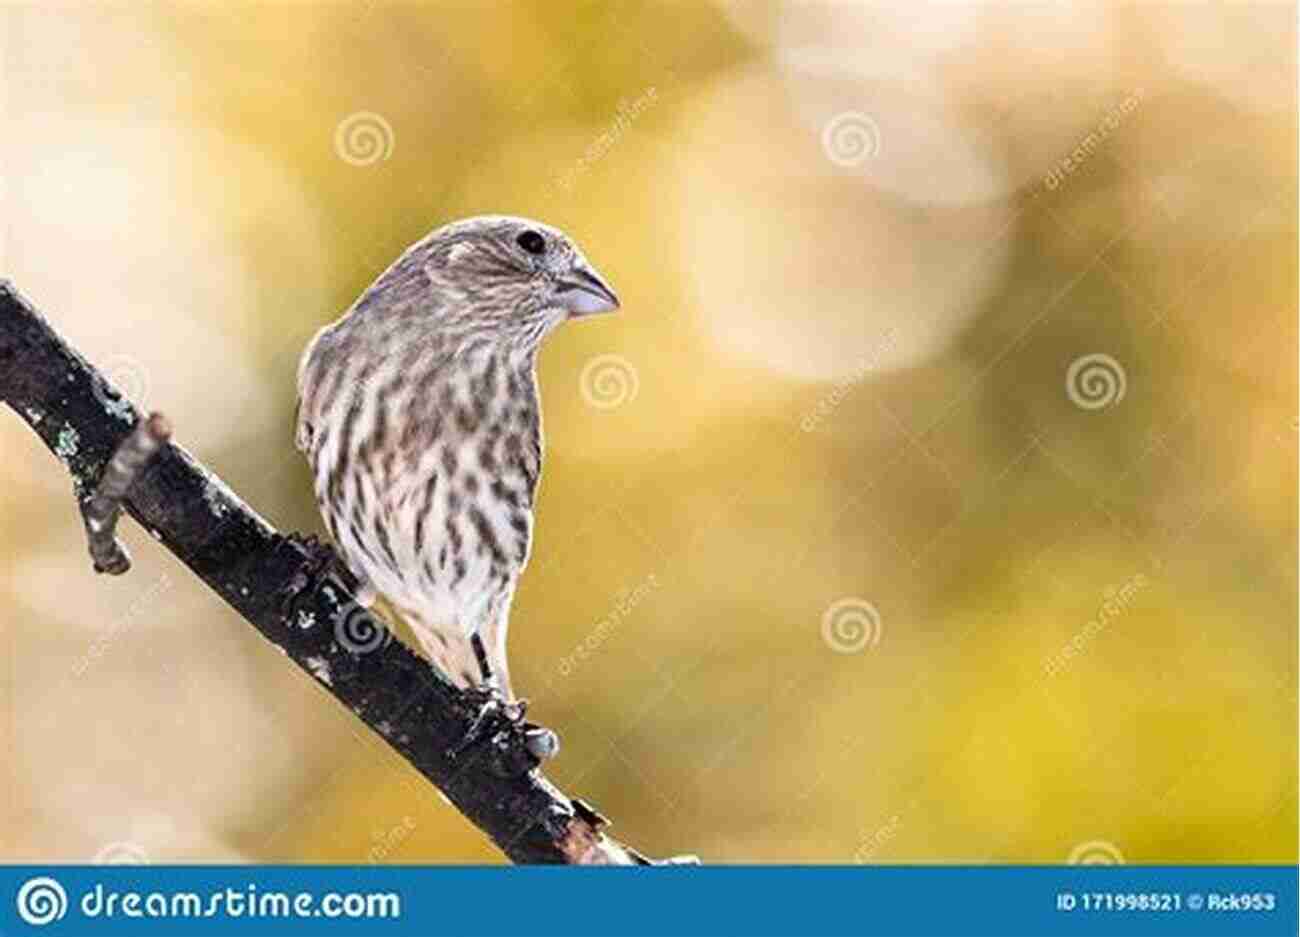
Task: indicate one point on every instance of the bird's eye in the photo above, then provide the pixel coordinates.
(532, 242)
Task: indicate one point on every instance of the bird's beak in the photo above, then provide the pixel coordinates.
(584, 292)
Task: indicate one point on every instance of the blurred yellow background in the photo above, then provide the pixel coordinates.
(932, 498)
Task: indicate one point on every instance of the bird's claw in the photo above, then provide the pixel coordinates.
(320, 562)
(516, 745)
(540, 741)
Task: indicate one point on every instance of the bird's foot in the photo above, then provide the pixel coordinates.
(321, 561)
(540, 741)
(516, 745)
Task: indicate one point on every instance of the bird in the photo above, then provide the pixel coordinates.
(420, 417)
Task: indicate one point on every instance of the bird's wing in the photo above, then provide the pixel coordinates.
(303, 433)
(301, 416)
(405, 283)
(302, 427)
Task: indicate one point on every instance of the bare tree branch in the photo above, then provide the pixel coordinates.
(116, 460)
(102, 509)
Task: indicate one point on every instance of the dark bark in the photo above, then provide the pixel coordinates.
(275, 582)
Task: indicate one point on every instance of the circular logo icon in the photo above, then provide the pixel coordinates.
(1095, 381)
(850, 624)
(850, 138)
(608, 382)
(358, 631)
(42, 901)
(1096, 852)
(364, 138)
(125, 384)
(121, 853)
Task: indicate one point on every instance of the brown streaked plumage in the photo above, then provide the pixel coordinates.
(418, 411)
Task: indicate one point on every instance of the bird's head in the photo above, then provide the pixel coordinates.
(514, 275)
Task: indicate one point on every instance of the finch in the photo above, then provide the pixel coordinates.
(419, 414)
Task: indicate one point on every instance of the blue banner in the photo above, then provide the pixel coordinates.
(568, 902)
